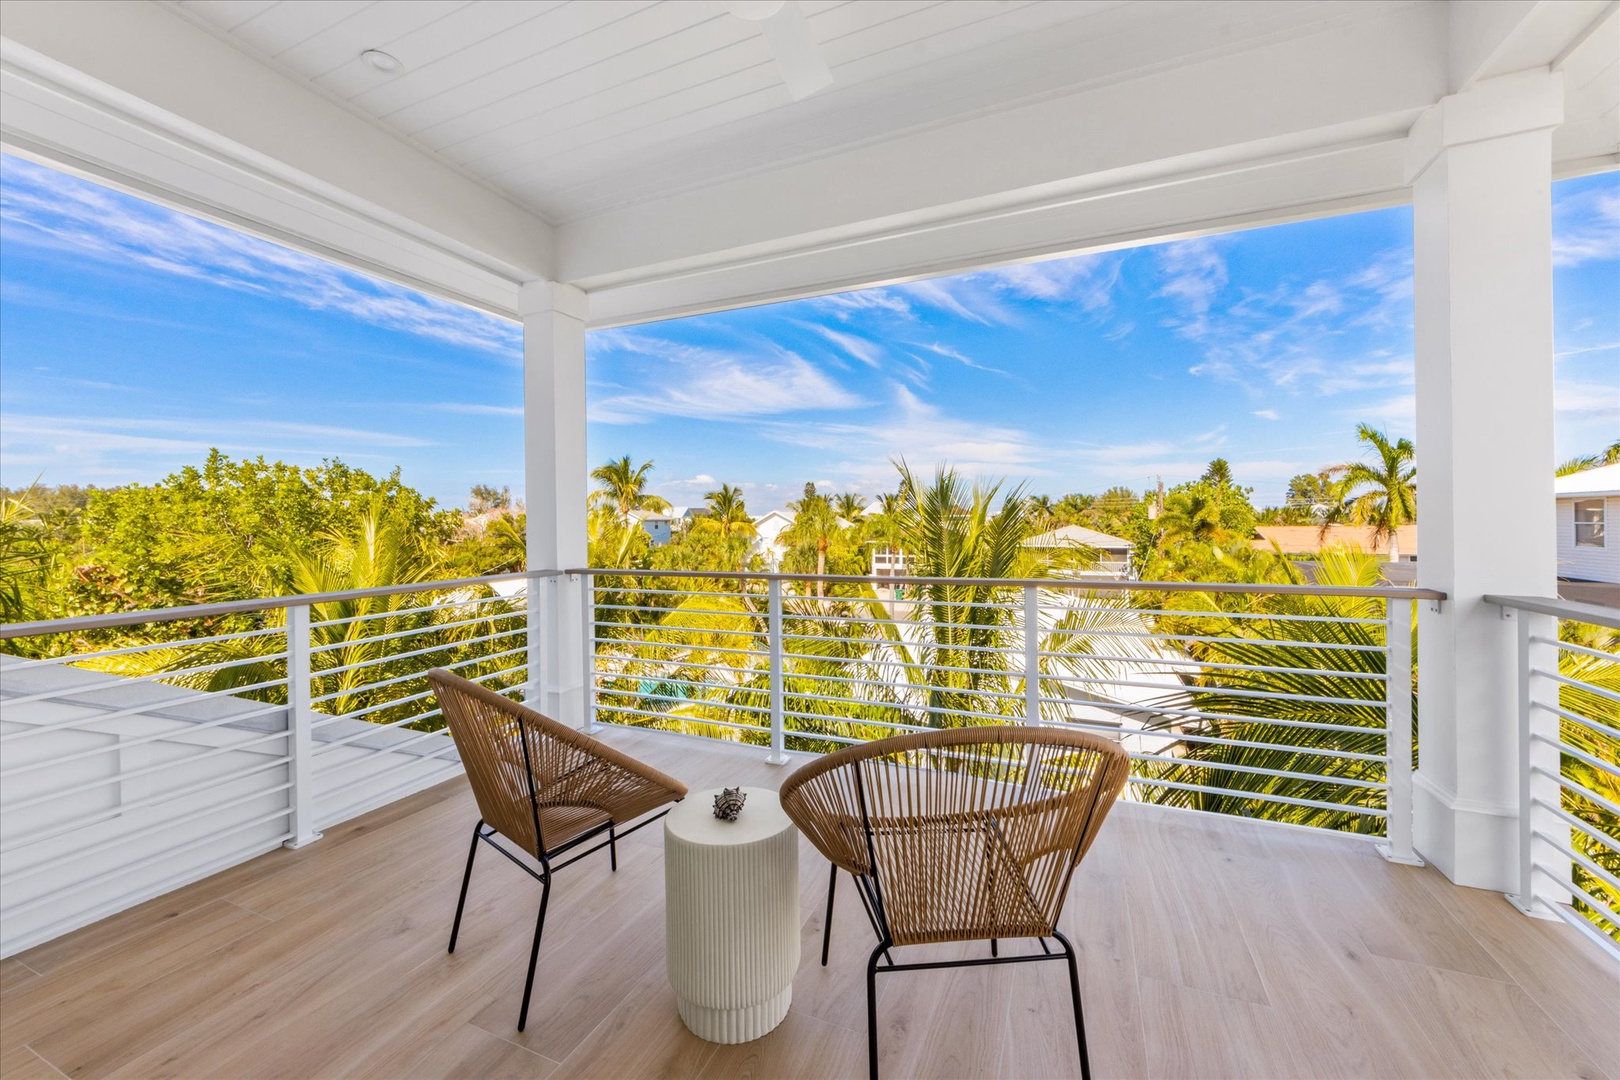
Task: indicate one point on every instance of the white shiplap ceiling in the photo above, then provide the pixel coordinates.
(577, 107)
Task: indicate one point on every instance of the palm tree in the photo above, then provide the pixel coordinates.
(850, 506)
(729, 517)
(1382, 494)
(624, 487)
(1192, 515)
(1274, 700)
(1042, 512)
(815, 528)
(1611, 456)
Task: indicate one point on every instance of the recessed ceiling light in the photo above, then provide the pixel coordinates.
(381, 61)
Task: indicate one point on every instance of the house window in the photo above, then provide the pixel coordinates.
(1589, 523)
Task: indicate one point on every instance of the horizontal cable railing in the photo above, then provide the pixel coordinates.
(1569, 763)
(1266, 701)
(141, 750)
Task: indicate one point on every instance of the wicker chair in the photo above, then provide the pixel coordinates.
(960, 835)
(545, 787)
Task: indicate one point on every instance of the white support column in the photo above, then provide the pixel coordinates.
(554, 479)
(1480, 163)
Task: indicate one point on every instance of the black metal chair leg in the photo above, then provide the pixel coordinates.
(613, 850)
(534, 950)
(826, 927)
(455, 927)
(1074, 992)
(871, 1009)
(993, 951)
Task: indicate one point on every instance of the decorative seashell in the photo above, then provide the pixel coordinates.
(729, 803)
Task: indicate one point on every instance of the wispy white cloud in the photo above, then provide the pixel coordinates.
(922, 433)
(43, 208)
(1586, 227)
(1266, 414)
(1571, 396)
(471, 408)
(68, 448)
(711, 383)
(863, 349)
(1194, 274)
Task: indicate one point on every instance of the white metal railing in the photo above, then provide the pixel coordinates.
(1568, 676)
(1267, 701)
(142, 750)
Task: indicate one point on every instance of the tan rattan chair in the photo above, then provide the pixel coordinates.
(960, 835)
(545, 787)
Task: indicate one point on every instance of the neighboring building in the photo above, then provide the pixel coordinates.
(1116, 553)
(887, 561)
(1588, 503)
(768, 530)
(1310, 540)
(659, 526)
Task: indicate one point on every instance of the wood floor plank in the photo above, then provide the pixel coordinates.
(1483, 1027)
(1203, 1036)
(471, 1053)
(13, 974)
(1575, 984)
(1097, 919)
(21, 1063)
(801, 1046)
(1321, 980)
(1184, 927)
(1209, 947)
(641, 1036)
(74, 998)
(1398, 921)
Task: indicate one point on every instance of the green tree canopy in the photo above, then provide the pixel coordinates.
(233, 529)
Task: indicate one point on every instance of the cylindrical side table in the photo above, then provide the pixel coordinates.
(731, 915)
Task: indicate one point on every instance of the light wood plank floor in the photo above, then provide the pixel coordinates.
(1212, 948)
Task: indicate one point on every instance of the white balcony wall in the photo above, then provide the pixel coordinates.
(135, 805)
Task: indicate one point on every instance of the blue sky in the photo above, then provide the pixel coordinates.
(134, 337)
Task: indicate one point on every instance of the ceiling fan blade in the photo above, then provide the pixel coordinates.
(796, 52)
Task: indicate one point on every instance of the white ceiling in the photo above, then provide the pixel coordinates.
(573, 108)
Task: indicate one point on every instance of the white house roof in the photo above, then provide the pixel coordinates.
(1069, 535)
(1600, 481)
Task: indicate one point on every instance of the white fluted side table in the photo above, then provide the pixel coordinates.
(731, 915)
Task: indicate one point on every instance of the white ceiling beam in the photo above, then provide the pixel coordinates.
(174, 82)
(1328, 91)
(1489, 38)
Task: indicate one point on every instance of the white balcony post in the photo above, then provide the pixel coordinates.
(587, 640)
(1538, 764)
(555, 479)
(537, 598)
(1480, 164)
(1397, 846)
(301, 739)
(773, 639)
(1032, 655)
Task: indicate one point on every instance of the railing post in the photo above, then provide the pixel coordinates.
(536, 598)
(301, 738)
(1397, 846)
(587, 607)
(773, 640)
(1538, 733)
(1032, 655)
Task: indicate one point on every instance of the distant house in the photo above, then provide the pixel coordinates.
(1587, 502)
(661, 526)
(1116, 553)
(768, 530)
(1310, 539)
